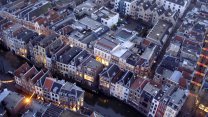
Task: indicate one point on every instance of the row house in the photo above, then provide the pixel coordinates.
(160, 101)
(64, 57)
(175, 103)
(89, 71)
(26, 77)
(150, 90)
(103, 48)
(71, 96)
(175, 5)
(40, 50)
(139, 58)
(76, 61)
(60, 92)
(120, 89)
(145, 10)
(135, 92)
(106, 16)
(150, 11)
(17, 39)
(107, 75)
(33, 46)
(166, 68)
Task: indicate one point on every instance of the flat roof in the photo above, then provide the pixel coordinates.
(90, 23)
(159, 30)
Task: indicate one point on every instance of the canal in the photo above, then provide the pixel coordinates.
(110, 107)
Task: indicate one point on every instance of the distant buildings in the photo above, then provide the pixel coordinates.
(93, 46)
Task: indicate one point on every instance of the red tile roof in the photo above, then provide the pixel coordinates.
(138, 83)
(37, 76)
(183, 83)
(146, 42)
(30, 73)
(22, 70)
(48, 83)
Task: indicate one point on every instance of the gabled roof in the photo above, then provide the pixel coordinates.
(48, 84)
(22, 70)
(138, 83)
(110, 72)
(56, 87)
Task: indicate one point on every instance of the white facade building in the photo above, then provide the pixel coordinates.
(106, 16)
(175, 5)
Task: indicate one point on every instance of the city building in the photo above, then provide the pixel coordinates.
(90, 70)
(159, 33)
(106, 16)
(41, 50)
(126, 7)
(106, 76)
(175, 5)
(64, 58)
(103, 48)
(175, 103)
(150, 90)
(76, 61)
(166, 68)
(121, 87)
(135, 92)
(26, 77)
(86, 8)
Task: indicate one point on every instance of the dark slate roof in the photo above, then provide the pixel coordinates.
(161, 10)
(80, 57)
(199, 28)
(69, 55)
(52, 111)
(56, 87)
(170, 63)
(37, 39)
(111, 71)
(146, 5)
(127, 77)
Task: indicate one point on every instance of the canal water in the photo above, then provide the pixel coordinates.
(109, 107)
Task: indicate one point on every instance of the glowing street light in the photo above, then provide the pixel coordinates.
(27, 100)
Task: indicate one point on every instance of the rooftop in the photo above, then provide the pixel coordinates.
(122, 48)
(159, 30)
(48, 83)
(91, 63)
(106, 44)
(138, 83)
(22, 70)
(48, 40)
(12, 100)
(105, 13)
(177, 99)
(152, 90)
(90, 23)
(69, 54)
(110, 72)
(124, 35)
